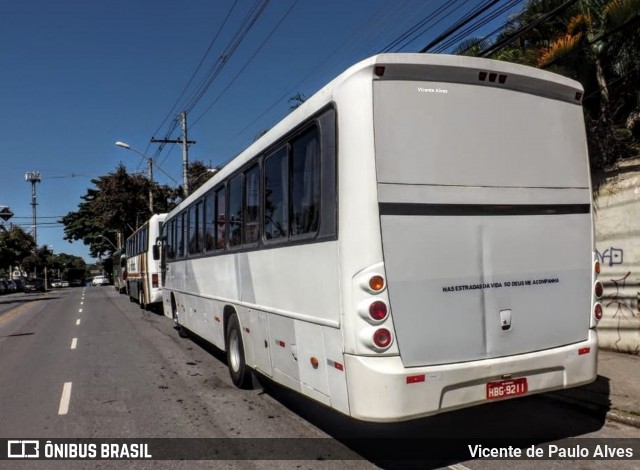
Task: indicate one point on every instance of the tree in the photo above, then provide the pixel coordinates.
(15, 246)
(198, 174)
(296, 100)
(596, 42)
(117, 204)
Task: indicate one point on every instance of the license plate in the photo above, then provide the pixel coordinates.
(506, 388)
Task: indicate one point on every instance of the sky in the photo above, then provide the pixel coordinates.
(78, 75)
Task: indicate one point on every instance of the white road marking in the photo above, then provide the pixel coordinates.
(81, 303)
(74, 343)
(458, 466)
(64, 400)
(78, 321)
(80, 311)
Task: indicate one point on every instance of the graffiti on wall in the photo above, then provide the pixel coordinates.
(622, 305)
(611, 256)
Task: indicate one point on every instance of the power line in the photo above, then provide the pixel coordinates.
(460, 23)
(264, 42)
(195, 72)
(472, 28)
(508, 40)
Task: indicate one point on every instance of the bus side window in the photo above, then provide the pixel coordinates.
(209, 225)
(179, 237)
(235, 212)
(221, 220)
(275, 220)
(252, 205)
(305, 183)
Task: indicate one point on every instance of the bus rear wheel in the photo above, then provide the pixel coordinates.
(240, 373)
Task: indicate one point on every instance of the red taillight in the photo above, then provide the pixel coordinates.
(154, 280)
(598, 289)
(596, 267)
(597, 311)
(382, 338)
(378, 310)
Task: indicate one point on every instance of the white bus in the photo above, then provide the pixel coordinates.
(142, 254)
(415, 238)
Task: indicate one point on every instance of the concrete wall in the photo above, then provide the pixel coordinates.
(617, 222)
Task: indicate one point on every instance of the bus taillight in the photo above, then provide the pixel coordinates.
(596, 267)
(154, 280)
(378, 310)
(598, 289)
(382, 338)
(597, 311)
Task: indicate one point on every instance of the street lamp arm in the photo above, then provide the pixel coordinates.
(149, 159)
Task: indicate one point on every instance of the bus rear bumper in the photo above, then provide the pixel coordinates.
(381, 389)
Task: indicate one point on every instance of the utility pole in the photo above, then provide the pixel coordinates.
(185, 151)
(33, 177)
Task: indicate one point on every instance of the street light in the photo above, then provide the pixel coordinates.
(150, 162)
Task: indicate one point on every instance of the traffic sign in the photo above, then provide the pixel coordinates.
(5, 213)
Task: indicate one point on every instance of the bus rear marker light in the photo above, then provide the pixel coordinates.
(413, 379)
(376, 283)
(379, 70)
(314, 362)
(583, 351)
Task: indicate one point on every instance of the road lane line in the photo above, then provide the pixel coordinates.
(64, 399)
(74, 343)
(78, 321)
(458, 466)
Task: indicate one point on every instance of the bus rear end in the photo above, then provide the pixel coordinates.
(484, 201)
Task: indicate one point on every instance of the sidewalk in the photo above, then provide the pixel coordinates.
(616, 390)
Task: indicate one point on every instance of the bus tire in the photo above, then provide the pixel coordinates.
(141, 301)
(240, 373)
(182, 331)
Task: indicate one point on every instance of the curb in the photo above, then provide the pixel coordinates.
(618, 416)
(624, 418)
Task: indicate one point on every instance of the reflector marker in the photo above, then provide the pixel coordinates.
(217, 319)
(335, 365)
(280, 343)
(247, 330)
(413, 379)
(583, 351)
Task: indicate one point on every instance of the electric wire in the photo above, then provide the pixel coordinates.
(264, 42)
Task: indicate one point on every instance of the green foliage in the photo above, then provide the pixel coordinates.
(596, 42)
(119, 203)
(15, 246)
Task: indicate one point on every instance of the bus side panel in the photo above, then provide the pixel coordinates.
(260, 344)
(336, 374)
(284, 352)
(312, 360)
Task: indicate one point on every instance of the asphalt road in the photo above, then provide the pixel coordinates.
(87, 363)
